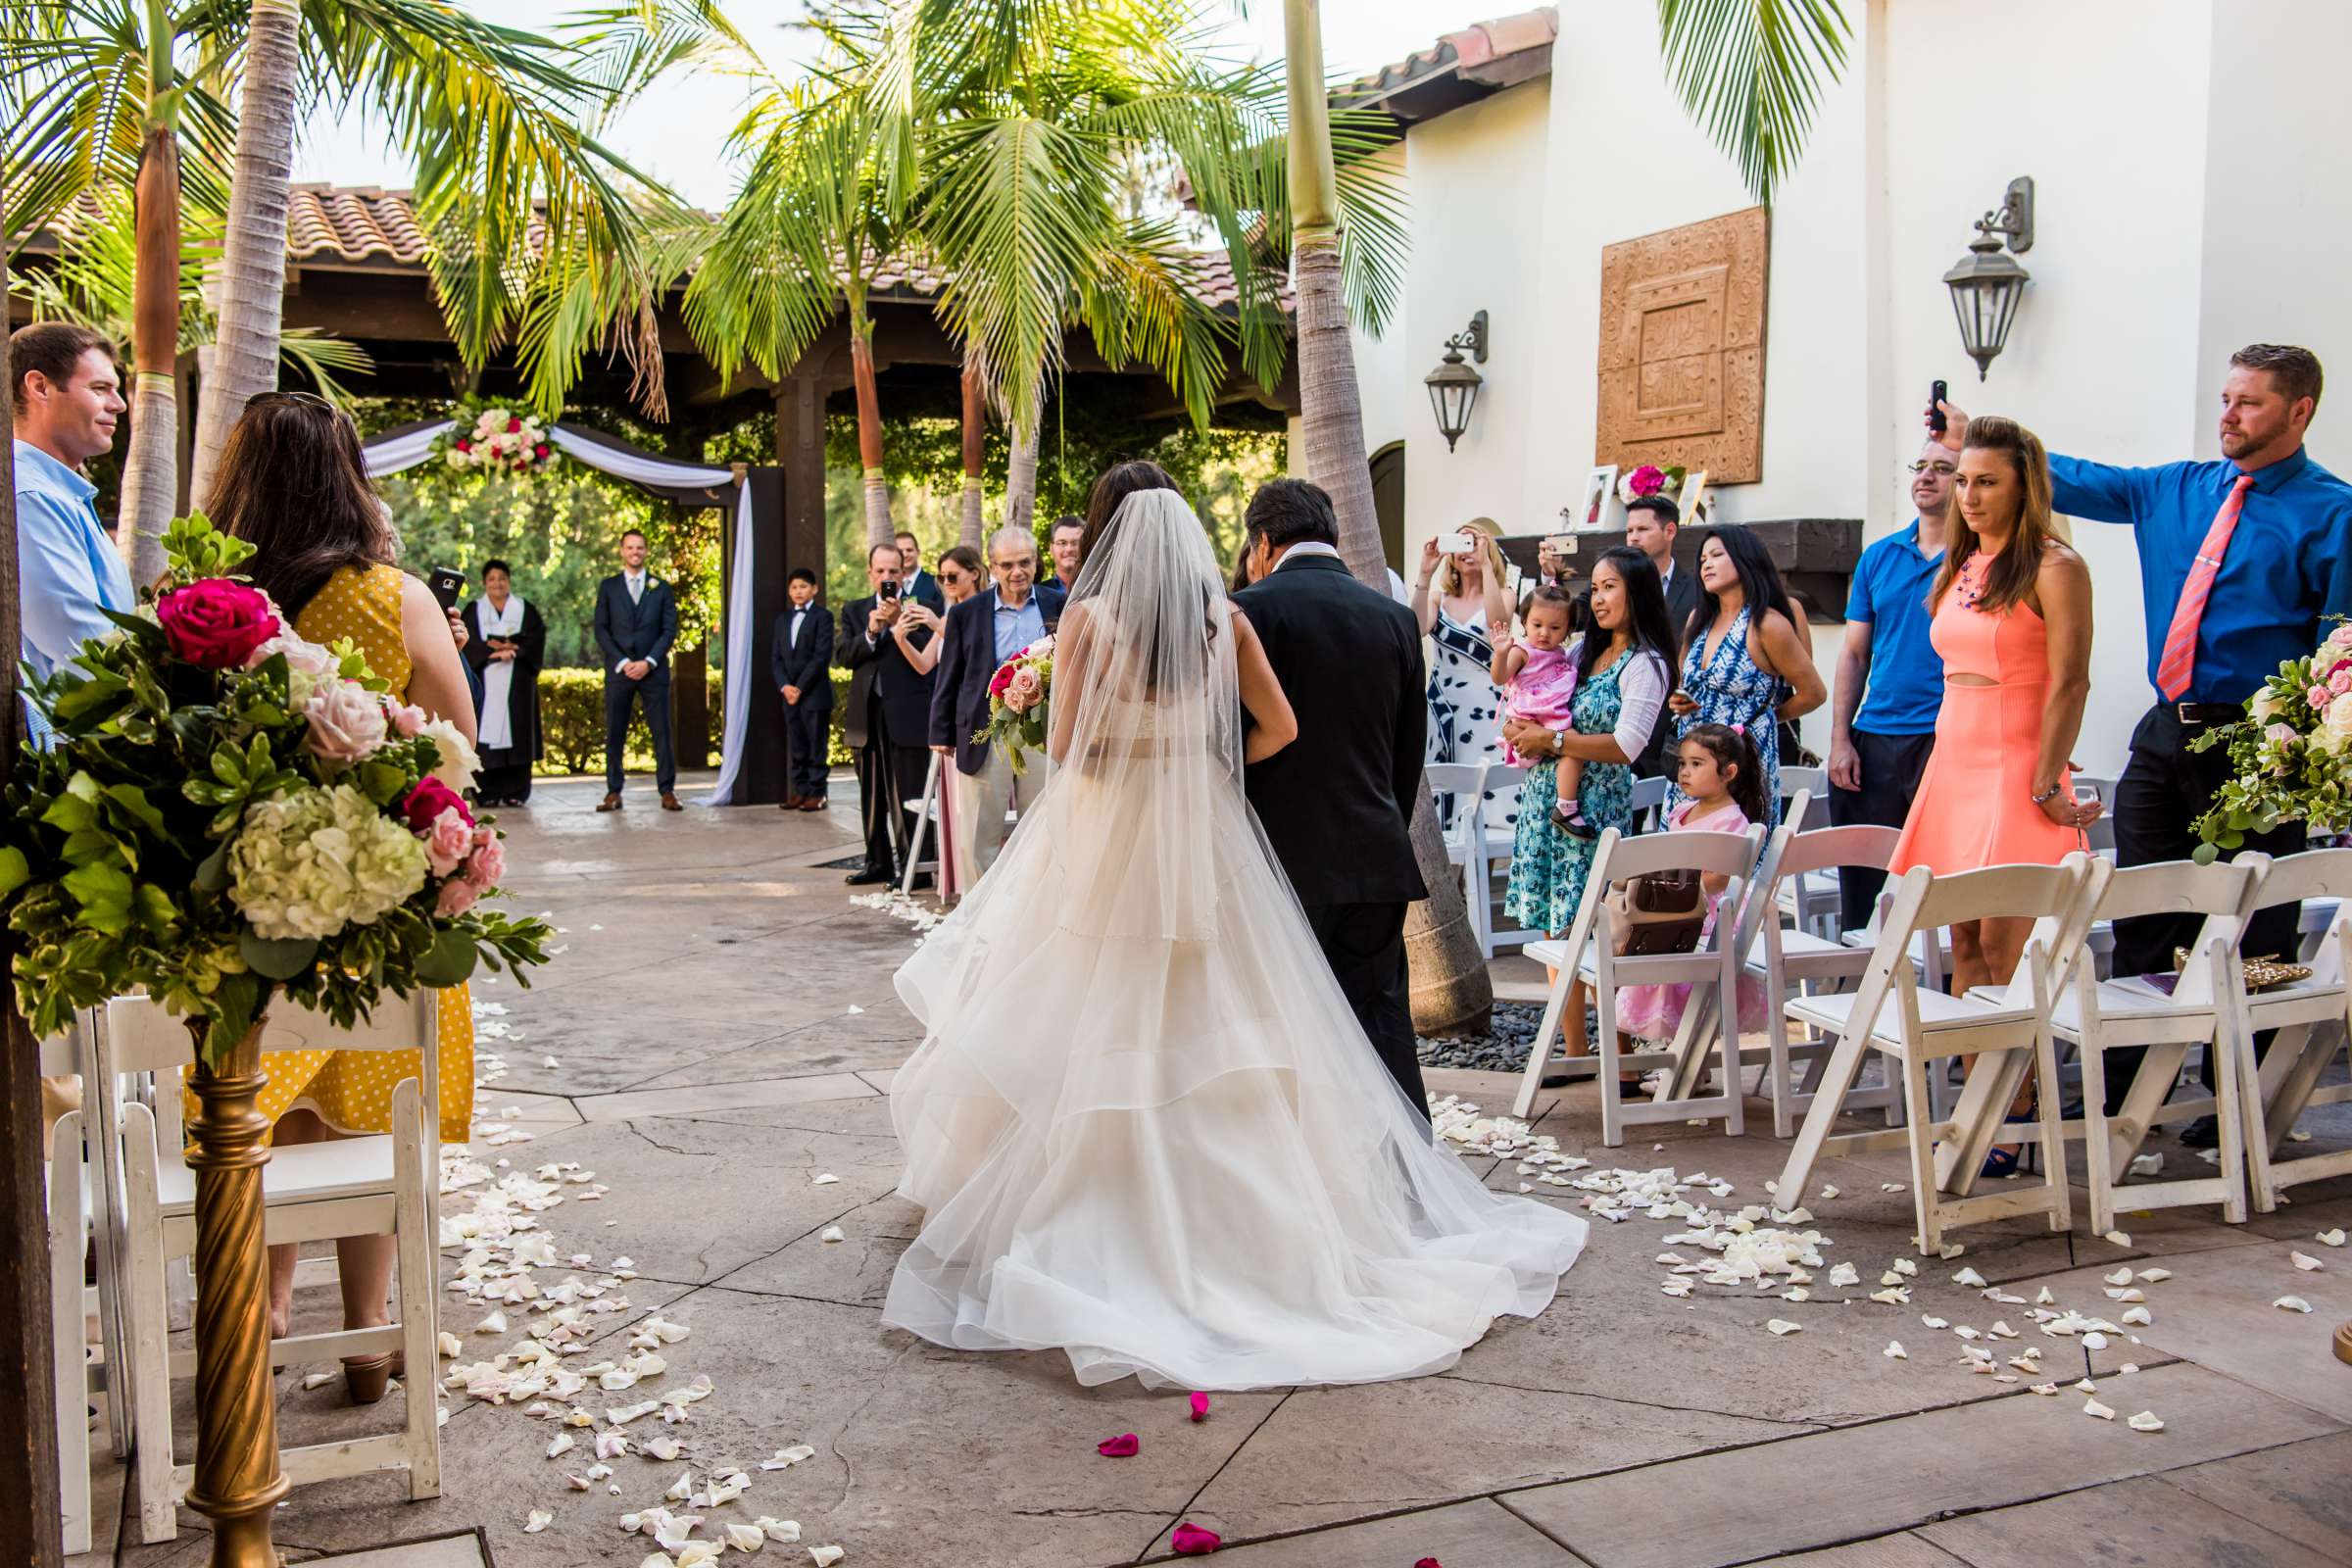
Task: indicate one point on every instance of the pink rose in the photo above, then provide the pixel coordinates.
(457, 897)
(488, 865)
(2341, 636)
(406, 718)
(425, 803)
(216, 623)
(447, 840)
(2318, 696)
(347, 722)
(2340, 682)
(306, 657)
(1025, 691)
(1646, 480)
(999, 680)
(2279, 734)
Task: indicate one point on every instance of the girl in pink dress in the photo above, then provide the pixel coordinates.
(1539, 683)
(1723, 784)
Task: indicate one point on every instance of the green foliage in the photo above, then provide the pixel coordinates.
(1751, 73)
(118, 867)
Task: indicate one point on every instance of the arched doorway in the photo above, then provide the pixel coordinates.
(1388, 501)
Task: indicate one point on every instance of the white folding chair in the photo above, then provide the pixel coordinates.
(69, 1205)
(1809, 901)
(1466, 842)
(926, 826)
(2008, 1037)
(2313, 1019)
(1587, 956)
(1503, 782)
(2200, 1010)
(1649, 803)
(385, 1184)
(1798, 960)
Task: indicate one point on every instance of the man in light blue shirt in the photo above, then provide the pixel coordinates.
(69, 396)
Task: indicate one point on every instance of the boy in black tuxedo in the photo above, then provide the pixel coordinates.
(1337, 803)
(800, 654)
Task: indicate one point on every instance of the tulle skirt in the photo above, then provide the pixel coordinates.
(1147, 1131)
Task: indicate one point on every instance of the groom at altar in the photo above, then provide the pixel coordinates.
(1337, 803)
(983, 632)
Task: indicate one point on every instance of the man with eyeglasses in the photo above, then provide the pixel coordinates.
(983, 632)
(1889, 678)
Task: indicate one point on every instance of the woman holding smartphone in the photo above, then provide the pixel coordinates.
(1465, 707)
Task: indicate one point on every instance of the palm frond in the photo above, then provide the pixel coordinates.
(1751, 73)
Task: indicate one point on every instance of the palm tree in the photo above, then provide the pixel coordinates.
(150, 469)
(975, 449)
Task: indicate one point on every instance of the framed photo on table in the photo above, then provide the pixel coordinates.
(1600, 494)
(1694, 504)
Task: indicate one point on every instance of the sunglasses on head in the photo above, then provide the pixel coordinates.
(1945, 470)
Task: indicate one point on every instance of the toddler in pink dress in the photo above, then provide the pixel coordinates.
(1539, 686)
(1719, 771)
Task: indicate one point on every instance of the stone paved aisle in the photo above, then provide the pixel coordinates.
(722, 1028)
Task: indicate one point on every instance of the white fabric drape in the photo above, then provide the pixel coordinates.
(498, 676)
(393, 454)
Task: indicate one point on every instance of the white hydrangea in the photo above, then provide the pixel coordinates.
(309, 862)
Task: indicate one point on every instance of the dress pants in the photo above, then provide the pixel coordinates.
(809, 736)
(653, 693)
(995, 789)
(890, 778)
(1891, 765)
(2165, 787)
(1364, 944)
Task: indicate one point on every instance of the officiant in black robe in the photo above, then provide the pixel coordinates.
(507, 646)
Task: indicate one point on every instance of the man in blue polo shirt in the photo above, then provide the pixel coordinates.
(2240, 559)
(1879, 740)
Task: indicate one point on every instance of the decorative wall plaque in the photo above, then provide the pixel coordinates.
(1682, 348)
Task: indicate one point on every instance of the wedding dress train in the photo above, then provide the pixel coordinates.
(1143, 1124)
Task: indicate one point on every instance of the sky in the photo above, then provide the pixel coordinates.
(677, 132)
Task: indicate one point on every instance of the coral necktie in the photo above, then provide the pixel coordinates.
(2180, 642)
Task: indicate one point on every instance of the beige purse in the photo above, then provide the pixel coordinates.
(1658, 912)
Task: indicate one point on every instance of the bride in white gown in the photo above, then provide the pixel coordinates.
(1143, 1124)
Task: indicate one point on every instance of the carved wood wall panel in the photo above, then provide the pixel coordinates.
(1682, 348)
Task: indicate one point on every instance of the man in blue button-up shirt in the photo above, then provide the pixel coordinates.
(2287, 563)
(69, 396)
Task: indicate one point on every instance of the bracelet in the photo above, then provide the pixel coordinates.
(2046, 796)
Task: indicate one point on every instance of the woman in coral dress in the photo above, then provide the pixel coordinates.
(293, 483)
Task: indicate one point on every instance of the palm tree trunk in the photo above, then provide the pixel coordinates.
(1020, 476)
(870, 428)
(975, 447)
(253, 257)
(1451, 991)
(151, 467)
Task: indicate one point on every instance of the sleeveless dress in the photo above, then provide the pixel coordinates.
(1731, 688)
(351, 1090)
(1549, 863)
(1465, 712)
(1974, 806)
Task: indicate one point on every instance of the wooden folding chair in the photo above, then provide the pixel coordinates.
(1588, 954)
(2007, 1036)
(385, 1184)
(2313, 1019)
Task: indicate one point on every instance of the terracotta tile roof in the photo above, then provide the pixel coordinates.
(1482, 53)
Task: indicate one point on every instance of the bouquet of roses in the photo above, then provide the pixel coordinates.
(1017, 697)
(231, 812)
(2291, 758)
(1649, 480)
(497, 441)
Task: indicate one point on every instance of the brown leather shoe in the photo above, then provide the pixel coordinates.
(610, 803)
(815, 802)
(669, 803)
(791, 803)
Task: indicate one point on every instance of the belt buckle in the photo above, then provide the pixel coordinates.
(2180, 711)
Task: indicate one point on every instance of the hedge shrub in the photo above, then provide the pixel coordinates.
(571, 713)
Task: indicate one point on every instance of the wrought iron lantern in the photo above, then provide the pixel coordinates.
(1987, 282)
(1453, 385)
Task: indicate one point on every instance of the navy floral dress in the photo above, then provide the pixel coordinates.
(1731, 687)
(1549, 863)
(1465, 712)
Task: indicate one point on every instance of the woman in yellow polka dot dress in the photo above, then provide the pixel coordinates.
(293, 483)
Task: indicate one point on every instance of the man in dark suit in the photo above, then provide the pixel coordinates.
(1337, 803)
(636, 621)
(889, 713)
(919, 585)
(1651, 526)
(800, 656)
(983, 632)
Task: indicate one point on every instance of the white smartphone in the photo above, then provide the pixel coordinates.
(1456, 544)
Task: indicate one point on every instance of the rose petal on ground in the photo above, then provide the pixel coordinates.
(786, 1459)
(2043, 1298)
(1199, 1404)
(1783, 1327)
(1969, 1278)
(2122, 1276)
(2305, 1262)
(560, 1445)
(317, 1379)
(1122, 1447)
(746, 1538)
(784, 1531)
(2155, 1276)
(2119, 1238)
(1191, 1540)
(1892, 1187)
(2093, 1409)
(2094, 1340)
(826, 1557)
(1845, 1274)
(832, 1233)
(2051, 1389)
(2145, 1421)
(539, 1520)
(825, 1179)
(2138, 1317)
(1895, 1352)
(2334, 1238)
(2292, 1304)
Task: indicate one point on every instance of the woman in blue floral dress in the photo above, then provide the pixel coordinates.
(1465, 709)
(1745, 664)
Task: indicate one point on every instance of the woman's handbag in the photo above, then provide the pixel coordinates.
(1658, 912)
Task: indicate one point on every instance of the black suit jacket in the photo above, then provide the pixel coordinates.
(1683, 594)
(643, 629)
(1337, 803)
(960, 681)
(881, 674)
(804, 663)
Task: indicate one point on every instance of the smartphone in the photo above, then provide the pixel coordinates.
(448, 586)
(1455, 544)
(1935, 420)
(1560, 544)
(886, 591)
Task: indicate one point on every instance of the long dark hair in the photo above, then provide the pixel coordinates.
(2015, 569)
(1119, 482)
(1645, 607)
(1760, 582)
(1732, 748)
(293, 483)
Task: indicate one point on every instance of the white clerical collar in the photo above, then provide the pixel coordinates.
(1306, 548)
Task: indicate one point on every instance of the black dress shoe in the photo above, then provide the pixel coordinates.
(866, 878)
(2203, 1133)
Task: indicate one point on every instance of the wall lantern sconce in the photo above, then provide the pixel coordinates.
(1453, 385)
(1986, 282)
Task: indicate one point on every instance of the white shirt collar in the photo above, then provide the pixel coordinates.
(1306, 548)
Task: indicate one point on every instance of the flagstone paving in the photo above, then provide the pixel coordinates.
(723, 1026)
